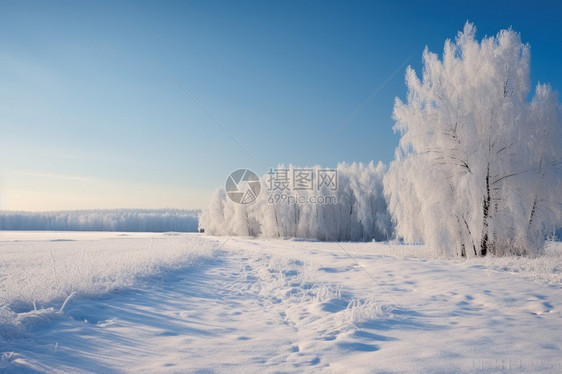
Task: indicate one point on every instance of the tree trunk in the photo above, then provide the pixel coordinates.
(463, 250)
(470, 236)
(533, 210)
(486, 211)
(276, 222)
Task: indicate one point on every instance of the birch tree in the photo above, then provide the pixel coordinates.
(478, 167)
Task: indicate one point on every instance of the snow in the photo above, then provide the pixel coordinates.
(192, 303)
(131, 220)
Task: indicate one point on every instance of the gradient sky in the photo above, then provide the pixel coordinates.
(89, 119)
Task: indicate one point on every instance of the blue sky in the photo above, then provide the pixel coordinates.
(88, 119)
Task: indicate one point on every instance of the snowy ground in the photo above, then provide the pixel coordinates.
(190, 303)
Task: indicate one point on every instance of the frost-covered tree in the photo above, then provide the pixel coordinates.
(357, 211)
(478, 167)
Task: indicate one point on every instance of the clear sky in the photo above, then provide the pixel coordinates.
(89, 118)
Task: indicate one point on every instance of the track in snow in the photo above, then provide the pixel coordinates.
(271, 306)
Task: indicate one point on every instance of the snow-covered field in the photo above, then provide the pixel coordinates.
(115, 302)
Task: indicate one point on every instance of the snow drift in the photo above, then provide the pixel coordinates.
(125, 220)
(41, 271)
